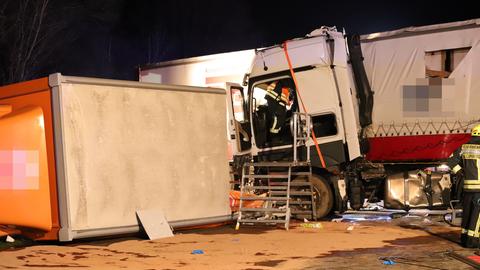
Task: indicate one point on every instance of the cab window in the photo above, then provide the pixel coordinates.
(325, 125)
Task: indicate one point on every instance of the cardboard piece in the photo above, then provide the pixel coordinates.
(154, 223)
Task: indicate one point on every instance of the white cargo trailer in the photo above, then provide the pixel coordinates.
(207, 71)
(426, 82)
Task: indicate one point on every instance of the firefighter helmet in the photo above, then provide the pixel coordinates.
(476, 130)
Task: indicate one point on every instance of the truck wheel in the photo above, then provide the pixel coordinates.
(323, 196)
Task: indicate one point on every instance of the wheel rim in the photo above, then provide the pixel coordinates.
(316, 196)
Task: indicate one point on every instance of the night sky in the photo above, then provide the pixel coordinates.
(111, 38)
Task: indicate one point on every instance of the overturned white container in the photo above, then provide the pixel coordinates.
(126, 146)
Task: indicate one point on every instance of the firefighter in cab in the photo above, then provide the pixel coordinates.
(278, 99)
(467, 158)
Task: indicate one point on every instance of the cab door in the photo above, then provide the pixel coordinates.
(237, 122)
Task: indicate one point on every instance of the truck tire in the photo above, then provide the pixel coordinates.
(323, 196)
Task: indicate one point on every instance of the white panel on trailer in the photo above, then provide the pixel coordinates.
(131, 146)
(396, 64)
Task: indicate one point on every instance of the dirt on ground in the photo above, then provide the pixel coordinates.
(364, 245)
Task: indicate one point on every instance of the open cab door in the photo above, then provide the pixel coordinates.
(239, 135)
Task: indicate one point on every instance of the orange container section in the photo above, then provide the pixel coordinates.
(28, 194)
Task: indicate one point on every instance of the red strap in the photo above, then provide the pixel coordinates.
(285, 49)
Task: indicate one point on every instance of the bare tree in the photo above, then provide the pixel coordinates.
(157, 45)
(3, 7)
(29, 36)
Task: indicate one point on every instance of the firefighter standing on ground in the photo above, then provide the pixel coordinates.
(467, 157)
(278, 97)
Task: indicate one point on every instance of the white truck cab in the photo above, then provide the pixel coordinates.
(323, 84)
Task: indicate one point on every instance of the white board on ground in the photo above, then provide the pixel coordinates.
(154, 223)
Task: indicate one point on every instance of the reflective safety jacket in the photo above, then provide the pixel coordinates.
(278, 93)
(277, 97)
(467, 157)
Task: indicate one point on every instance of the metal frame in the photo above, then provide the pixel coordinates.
(65, 233)
(302, 123)
(59, 78)
(88, 233)
(301, 128)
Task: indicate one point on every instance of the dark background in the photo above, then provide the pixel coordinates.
(111, 38)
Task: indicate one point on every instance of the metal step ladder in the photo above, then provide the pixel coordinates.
(271, 182)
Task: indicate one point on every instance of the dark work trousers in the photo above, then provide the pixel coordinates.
(470, 219)
(277, 112)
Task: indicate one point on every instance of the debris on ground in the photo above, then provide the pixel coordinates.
(9, 239)
(454, 220)
(419, 222)
(197, 251)
(373, 206)
(316, 225)
(365, 217)
(475, 258)
(391, 260)
(462, 258)
(16, 241)
(388, 262)
(234, 198)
